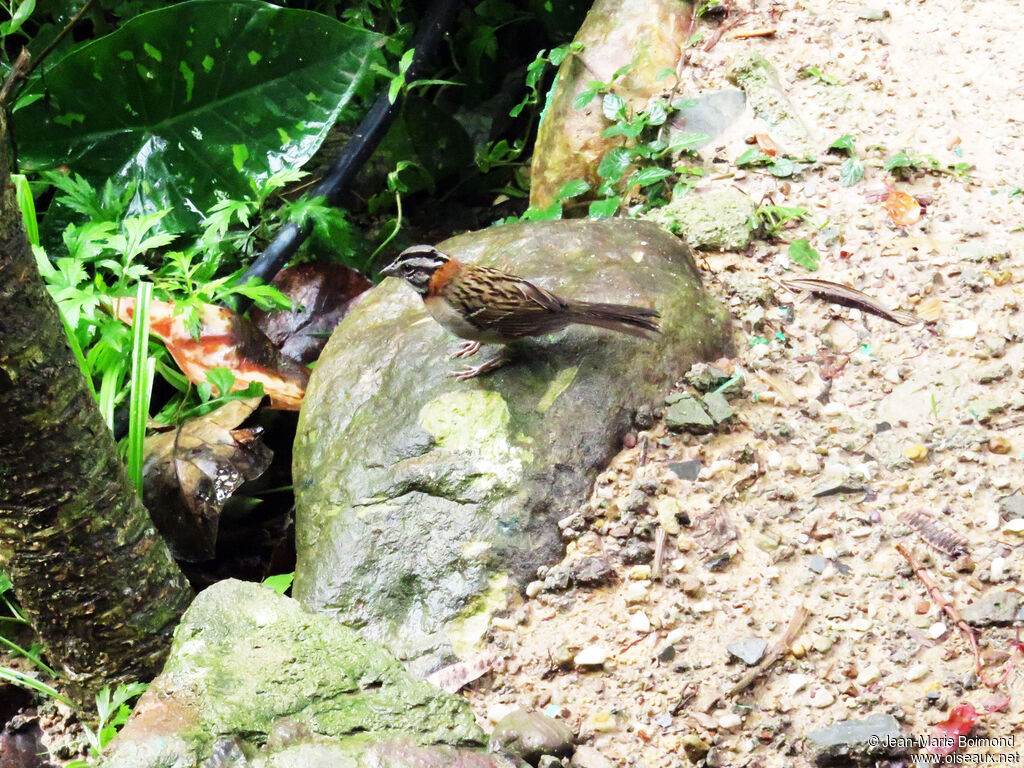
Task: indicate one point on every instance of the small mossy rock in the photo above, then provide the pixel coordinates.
(421, 501)
(753, 73)
(244, 659)
(530, 735)
(717, 220)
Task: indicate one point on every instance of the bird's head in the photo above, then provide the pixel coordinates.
(416, 265)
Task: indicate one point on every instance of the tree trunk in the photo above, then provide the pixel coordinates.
(89, 570)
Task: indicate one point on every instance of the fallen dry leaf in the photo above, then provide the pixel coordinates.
(847, 295)
(190, 472)
(321, 294)
(227, 341)
(903, 208)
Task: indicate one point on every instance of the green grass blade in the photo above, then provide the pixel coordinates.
(23, 194)
(12, 675)
(143, 368)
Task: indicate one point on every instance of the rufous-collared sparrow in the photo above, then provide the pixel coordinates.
(487, 306)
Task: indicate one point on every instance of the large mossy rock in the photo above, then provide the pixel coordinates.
(421, 500)
(247, 662)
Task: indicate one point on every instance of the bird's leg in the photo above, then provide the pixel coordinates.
(467, 349)
(487, 366)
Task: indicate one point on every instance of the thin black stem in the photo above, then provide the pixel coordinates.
(360, 146)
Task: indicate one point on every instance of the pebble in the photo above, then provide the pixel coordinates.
(997, 569)
(639, 573)
(868, 675)
(602, 722)
(685, 470)
(795, 682)
(591, 656)
(668, 511)
(963, 329)
(937, 630)
(729, 721)
(534, 588)
(916, 451)
(822, 697)
(639, 622)
(861, 625)
(587, 757)
(917, 672)
(636, 592)
(748, 650)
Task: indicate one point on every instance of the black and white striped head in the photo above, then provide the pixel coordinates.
(416, 265)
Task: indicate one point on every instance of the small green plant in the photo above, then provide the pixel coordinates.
(852, 169)
(905, 163)
(774, 218)
(535, 74)
(112, 712)
(803, 254)
(777, 166)
(816, 74)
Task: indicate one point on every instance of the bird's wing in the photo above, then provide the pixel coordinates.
(512, 306)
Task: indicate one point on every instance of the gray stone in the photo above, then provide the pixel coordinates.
(636, 552)
(717, 220)
(686, 470)
(994, 608)
(246, 662)
(857, 741)
(717, 406)
(591, 571)
(713, 114)
(817, 563)
(705, 377)
(530, 735)
(688, 414)
(749, 650)
(1012, 507)
(423, 502)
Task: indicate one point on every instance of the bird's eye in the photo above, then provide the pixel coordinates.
(406, 270)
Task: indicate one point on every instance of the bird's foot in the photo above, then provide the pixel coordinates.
(471, 372)
(467, 349)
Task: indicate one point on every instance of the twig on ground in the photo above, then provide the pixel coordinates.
(950, 610)
(776, 652)
(659, 553)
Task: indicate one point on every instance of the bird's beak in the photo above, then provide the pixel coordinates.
(391, 270)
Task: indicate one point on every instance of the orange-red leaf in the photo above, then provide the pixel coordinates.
(946, 735)
(227, 341)
(903, 208)
(766, 144)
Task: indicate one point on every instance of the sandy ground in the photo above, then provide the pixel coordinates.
(941, 77)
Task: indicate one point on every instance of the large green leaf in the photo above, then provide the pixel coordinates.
(194, 100)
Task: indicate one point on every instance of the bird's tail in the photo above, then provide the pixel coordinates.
(636, 321)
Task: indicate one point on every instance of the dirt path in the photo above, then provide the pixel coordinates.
(927, 418)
